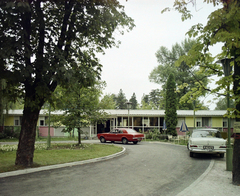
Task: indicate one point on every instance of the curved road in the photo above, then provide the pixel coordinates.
(145, 169)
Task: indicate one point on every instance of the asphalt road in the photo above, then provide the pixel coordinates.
(145, 169)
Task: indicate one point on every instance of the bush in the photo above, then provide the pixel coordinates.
(10, 132)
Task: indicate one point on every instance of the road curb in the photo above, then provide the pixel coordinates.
(44, 168)
(195, 183)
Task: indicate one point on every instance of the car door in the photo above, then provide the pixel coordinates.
(112, 135)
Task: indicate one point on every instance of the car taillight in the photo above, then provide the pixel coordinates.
(222, 146)
(193, 145)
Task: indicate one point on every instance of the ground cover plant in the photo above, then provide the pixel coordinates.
(57, 154)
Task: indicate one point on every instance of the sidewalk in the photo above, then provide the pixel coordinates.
(215, 181)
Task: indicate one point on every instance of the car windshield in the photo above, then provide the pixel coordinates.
(207, 133)
(131, 131)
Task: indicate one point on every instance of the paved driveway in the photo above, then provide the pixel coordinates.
(145, 169)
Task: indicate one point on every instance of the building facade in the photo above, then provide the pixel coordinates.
(140, 120)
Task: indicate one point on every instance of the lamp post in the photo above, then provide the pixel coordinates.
(229, 151)
(49, 136)
(129, 104)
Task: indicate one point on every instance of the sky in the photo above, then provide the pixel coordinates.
(128, 66)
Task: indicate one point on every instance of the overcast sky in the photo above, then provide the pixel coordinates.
(129, 66)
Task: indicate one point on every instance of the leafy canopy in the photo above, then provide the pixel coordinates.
(186, 77)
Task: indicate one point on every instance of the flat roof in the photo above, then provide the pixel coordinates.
(180, 113)
(156, 113)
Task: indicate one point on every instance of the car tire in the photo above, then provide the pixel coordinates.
(124, 140)
(191, 154)
(135, 142)
(102, 140)
(221, 155)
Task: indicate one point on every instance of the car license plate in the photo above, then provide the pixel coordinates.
(210, 148)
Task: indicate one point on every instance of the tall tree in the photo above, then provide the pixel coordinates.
(80, 105)
(222, 27)
(185, 76)
(155, 96)
(134, 102)
(44, 44)
(222, 104)
(108, 102)
(121, 100)
(171, 106)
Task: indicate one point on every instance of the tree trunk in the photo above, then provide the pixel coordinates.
(236, 147)
(236, 162)
(79, 136)
(26, 143)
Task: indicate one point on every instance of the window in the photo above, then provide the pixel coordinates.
(41, 122)
(199, 122)
(225, 122)
(206, 122)
(153, 121)
(119, 121)
(137, 121)
(125, 121)
(180, 121)
(146, 122)
(16, 122)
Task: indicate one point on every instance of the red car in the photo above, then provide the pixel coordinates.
(121, 134)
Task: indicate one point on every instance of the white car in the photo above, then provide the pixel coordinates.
(207, 141)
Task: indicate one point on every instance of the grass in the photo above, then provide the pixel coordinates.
(59, 153)
(43, 139)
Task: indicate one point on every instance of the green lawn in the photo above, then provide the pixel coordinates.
(59, 153)
(40, 139)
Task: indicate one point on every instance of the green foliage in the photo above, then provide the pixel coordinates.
(10, 132)
(171, 106)
(186, 77)
(49, 43)
(222, 104)
(58, 154)
(153, 100)
(81, 106)
(153, 134)
(222, 27)
(134, 102)
(121, 100)
(107, 102)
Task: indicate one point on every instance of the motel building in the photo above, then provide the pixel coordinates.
(140, 120)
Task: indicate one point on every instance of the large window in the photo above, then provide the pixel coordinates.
(146, 122)
(119, 121)
(153, 121)
(137, 121)
(206, 122)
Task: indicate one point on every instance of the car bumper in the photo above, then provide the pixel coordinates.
(218, 151)
(138, 139)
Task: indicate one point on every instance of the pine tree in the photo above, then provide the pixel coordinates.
(121, 100)
(171, 106)
(134, 101)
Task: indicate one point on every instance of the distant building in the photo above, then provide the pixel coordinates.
(140, 120)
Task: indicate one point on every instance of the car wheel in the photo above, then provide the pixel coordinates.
(124, 141)
(222, 155)
(102, 140)
(135, 142)
(191, 154)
